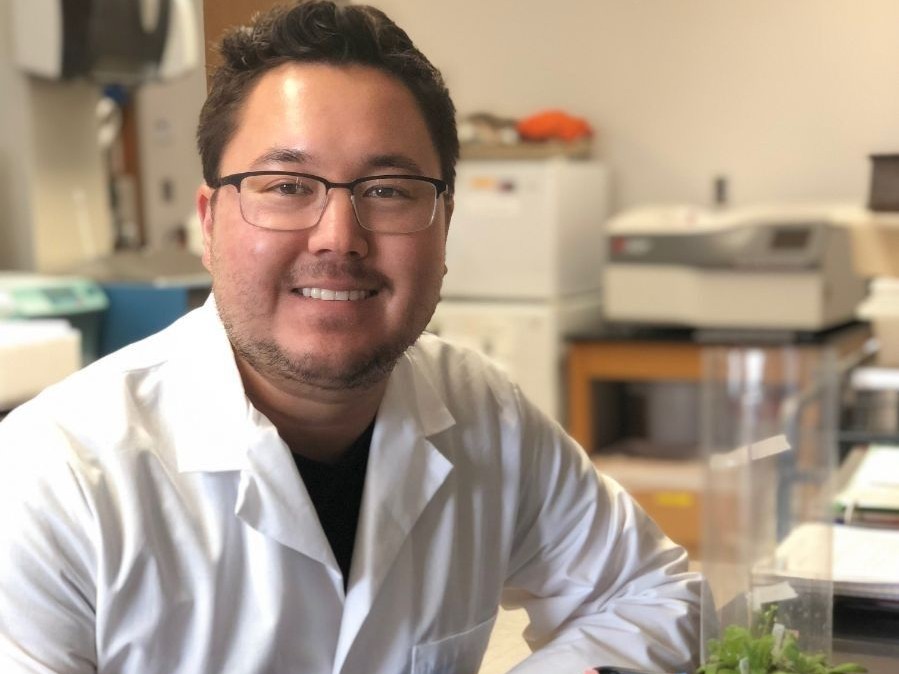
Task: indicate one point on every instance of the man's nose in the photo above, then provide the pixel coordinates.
(338, 230)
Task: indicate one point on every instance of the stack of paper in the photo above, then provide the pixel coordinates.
(864, 561)
(872, 494)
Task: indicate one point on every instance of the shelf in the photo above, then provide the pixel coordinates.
(527, 150)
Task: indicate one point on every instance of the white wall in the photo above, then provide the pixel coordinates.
(16, 243)
(785, 98)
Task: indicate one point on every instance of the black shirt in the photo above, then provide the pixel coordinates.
(336, 492)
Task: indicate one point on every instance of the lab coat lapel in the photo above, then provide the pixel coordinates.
(273, 499)
(405, 471)
(222, 431)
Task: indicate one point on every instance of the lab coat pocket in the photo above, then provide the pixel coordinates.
(456, 654)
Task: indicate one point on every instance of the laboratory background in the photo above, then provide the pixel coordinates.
(676, 227)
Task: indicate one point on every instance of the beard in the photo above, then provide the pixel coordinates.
(274, 362)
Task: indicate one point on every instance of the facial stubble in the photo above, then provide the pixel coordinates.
(276, 363)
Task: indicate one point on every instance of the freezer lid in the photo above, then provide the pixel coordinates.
(782, 246)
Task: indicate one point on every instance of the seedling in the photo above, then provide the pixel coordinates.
(769, 649)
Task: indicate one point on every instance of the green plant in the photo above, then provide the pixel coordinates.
(769, 649)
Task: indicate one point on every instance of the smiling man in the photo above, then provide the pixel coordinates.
(322, 286)
(294, 478)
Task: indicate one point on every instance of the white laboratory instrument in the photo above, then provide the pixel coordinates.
(49, 327)
(758, 269)
(524, 265)
(77, 301)
(526, 229)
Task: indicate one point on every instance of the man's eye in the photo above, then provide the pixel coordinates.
(385, 192)
(289, 188)
(286, 188)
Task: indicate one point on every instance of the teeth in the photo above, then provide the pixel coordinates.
(339, 295)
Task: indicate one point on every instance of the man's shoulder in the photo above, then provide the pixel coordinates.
(435, 353)
(113, 392)
(105, 377)
(462, 373)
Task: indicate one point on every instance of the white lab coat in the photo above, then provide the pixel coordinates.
(153, 522)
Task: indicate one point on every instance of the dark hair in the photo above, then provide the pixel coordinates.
(321, 32)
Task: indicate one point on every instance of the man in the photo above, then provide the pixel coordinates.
(292, 478)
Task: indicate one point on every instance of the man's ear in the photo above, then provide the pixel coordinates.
(205, 207)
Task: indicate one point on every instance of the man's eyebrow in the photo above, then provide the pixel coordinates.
(282, 155)
(394, 161)
(287, 155)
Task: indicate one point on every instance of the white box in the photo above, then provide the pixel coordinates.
(527, 229)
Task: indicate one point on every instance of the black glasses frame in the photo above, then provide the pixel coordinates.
(236, 178)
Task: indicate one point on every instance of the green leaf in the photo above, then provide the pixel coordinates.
(765, 621)
(756, 647)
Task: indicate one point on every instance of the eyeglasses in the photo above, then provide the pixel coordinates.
(284, 200)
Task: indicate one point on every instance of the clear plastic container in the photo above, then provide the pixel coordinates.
(769, 440)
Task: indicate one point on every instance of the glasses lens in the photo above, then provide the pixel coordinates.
(395, 205)
(278, 201)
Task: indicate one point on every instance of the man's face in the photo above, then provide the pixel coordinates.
(340, 123)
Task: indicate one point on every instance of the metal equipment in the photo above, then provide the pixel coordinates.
(735, 269)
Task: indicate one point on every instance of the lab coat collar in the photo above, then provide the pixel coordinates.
(223, 432)
(273, 499)
(219, 421)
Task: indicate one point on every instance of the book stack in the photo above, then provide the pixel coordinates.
(864, 561)
(871, 496)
